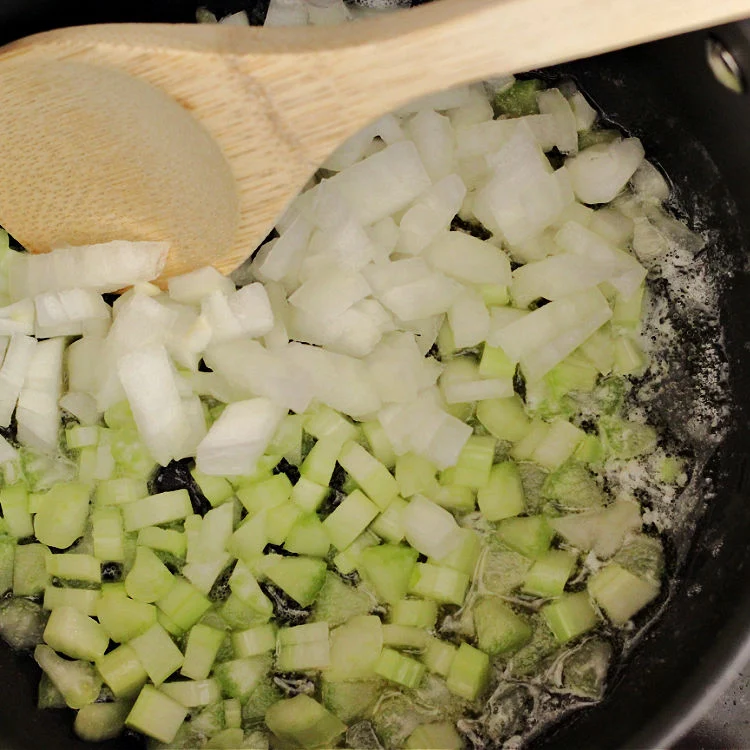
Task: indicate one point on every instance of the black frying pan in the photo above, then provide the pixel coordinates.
(700, 133)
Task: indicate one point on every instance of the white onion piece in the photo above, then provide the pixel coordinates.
(331, 292)
(287, 13)
(384, 183)
(252, 370)
(192, 287)
(477, 109)
(82, 406)
(197, 428)
(103, 268)
(430, 529)
(238, 438)
(628, 274)
(149, 381)
(16, 364)
(82, 360)
(67, 312)
(337, 380)
(384, 235)
(552, 102)
(600, 172)
(433, 136)
(500, 317)
(431, 214)
(17, 318)
(469, 259)
(7, 451)
(38, 412)
(191, 335)
(469, 319)
(399, 370)
(281, 259)
(558, 276)
(461, 383)
(252, 309)
(236, 19)
(585, 115)
(540, 327)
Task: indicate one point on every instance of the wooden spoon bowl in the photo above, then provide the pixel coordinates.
(201, 135)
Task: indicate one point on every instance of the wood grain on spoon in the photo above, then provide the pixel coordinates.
(201, 135)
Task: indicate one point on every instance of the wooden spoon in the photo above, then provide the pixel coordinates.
(201, 135)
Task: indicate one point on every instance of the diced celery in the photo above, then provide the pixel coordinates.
(74, 567)
(157, 509)
(388, 568)
(254, 641)
(122, 617)
(438, 736)
(629, 356)
(355, 649)
(217, 490)
(183, 604)
(495, 363)
(98, 722)
(502, 496)
(78, 681)
(570, 616)
(203, 644)
(7, 557)
(523, 450)
(403, 670)
(620, 593)
(157, 653)
(108, 534)
(438, 582)
(123, 672)
(303, 647)
(171, 541)
(156, 715)
(14, 501)
(454, 498)
(505, 418)
(239, 677)
(438, 656)
(372, 476)
(119, 491)
(590, 450)
(464, 558)
(627, 311)
(418, 613)
(83, 600)
(280, 520)
(350, 519)
(350, 700)
(244, 585)
(499, 628)
(475, 462)
(339, 601)
(380, 446)
(323, 422)
(404, 636)
(529, 535)
(320, 462)
(348, 560)
(192, 693)
(415, 475)
(63, 515)
(30, 569)
(627, 439)
(308, 495)
(558, 445)
(572, 486)
(233, 713)
(389, 525)
(149, 579)
(518, 99)
(308, 537)
(304, 721)
(267, 494)
(251, 537)
(299, 577)
(549, 574)
(469, 672)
